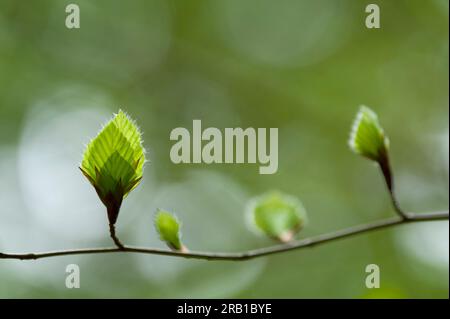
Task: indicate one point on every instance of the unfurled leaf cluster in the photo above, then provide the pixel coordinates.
(113, 162)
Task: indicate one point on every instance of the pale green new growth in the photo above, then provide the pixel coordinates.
(113, 161)
(367, 137)
(168, 228)
(277, 215)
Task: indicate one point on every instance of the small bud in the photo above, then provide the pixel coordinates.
(367, 137)
(113, 162)
(168, 228)
(277, 215)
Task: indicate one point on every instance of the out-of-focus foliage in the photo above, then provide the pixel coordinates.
(302, 66)
(277, 215)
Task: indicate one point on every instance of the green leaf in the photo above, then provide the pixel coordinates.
(277, 215)
(113, 162)
(367, 137)
(168, 228)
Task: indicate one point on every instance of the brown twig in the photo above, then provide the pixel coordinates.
(250, 254)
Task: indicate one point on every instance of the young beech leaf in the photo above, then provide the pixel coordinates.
(113, 162)
(168, 228)
(367, 137)
(277, 215)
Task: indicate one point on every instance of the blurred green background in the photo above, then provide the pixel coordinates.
(302, 66)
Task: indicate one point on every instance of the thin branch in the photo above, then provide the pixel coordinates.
(401, 218)
(112, 232)
(250, 254)
(386, 170)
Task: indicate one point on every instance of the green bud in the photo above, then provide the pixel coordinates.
(168, 228)
(277, 215)
(367, 137)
